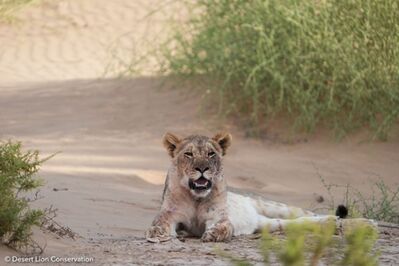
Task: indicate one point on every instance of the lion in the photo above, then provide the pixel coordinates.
(196, 201)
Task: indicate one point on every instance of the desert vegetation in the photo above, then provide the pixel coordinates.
(17, 176)
(381, 204)
(310, 64)
(8, 8)
(332, 64)
(312, 244)
(19, 186)
(315, 244)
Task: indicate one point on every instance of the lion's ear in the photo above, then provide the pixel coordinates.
(170, 142)
(224, 140)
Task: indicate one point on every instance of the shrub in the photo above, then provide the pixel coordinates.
(359, 248)
(332, 63)
(382, 204)
(292, 251)
(17, 176)
(315, 244)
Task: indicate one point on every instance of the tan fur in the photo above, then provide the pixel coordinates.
(195, 198)
(200, 215)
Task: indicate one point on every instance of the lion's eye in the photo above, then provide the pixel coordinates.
(211, 154)
(188, 154)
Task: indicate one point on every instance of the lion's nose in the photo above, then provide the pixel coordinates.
(202, 169)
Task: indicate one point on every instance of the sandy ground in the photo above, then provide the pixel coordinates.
(107, 179)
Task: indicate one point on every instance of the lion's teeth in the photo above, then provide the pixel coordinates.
(202, 185)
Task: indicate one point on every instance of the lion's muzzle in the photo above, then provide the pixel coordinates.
(200, 184)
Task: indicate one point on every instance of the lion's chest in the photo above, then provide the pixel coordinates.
(199, 218)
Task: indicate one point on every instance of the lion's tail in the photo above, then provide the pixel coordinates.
(273, 209)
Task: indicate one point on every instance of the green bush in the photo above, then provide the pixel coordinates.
(382, 205)
(316, 63)
(360, 242)
(314, 244)
(17, 177)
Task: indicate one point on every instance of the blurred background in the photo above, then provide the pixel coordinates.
(309, 90)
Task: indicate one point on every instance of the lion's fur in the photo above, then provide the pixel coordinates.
(214, 214)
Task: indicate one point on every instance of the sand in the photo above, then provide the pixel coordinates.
(107, 178)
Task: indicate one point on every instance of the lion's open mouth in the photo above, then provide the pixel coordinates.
(200, 184)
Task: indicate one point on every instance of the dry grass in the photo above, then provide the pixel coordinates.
(9, 7)
(318, 63)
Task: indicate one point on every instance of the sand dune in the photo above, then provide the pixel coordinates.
(109, 173)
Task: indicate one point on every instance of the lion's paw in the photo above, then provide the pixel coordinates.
(216, 236)
(209, 236)
(156, 234)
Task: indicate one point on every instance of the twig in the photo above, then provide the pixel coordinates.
(388, 225)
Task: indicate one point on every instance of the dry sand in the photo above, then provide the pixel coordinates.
(107, 179)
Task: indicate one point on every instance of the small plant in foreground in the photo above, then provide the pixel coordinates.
(359, 248)
(302, 239)
(312, 244)
(18, 176)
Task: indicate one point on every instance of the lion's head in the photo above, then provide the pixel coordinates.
(198, 160)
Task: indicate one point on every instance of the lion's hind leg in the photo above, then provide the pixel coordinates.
(341, 225)
(280, 225)
(273, 209)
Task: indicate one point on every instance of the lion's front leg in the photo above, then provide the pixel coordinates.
(161, 229)
(218, 232)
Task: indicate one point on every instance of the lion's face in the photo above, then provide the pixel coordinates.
(198, 160)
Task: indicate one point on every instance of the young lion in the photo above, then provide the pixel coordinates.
(195, 198)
